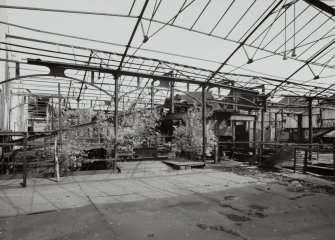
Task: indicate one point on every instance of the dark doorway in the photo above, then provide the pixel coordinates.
(241, 135)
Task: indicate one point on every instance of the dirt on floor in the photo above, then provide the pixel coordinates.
(217, 203)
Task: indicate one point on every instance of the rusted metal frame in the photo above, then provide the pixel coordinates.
(133, 34)
(244, 41)
(305, 64)
(82, 48)
(55, 66)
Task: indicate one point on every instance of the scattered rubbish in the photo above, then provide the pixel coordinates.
(295, 186)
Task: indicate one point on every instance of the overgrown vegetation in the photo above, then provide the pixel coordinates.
(188, 139)
(132, 132)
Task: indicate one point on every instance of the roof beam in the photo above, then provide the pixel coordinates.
(139, 19)
(59, 68)
(322, 6)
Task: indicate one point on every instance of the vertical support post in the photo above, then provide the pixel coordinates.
(334, 160)
(262, 135)
(172, 97)
(78, 111)
(321, 118)
(188, 87)
(59, 116)
(300, 127)
(295, 159)
(254, 135)
(305, 162)
(116, 115)
(262, 126)
(216, 156)
(152, 95)
(310, 127)
(24, 183)
(204, 137)
(52, 113)
(276, 133)
(17, 69)
(92, 77)
(56, 158)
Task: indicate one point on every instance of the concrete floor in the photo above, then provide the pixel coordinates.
(148, 200)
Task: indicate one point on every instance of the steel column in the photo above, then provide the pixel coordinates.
(52, 113)
(24, 183)
(276, 126)
(310, 126)
(59, 116)
(152, 94)
(116, 115)
(255, 135)
(204, 137)
(172, 98)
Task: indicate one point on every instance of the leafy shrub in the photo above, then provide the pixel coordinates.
(188, 138)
